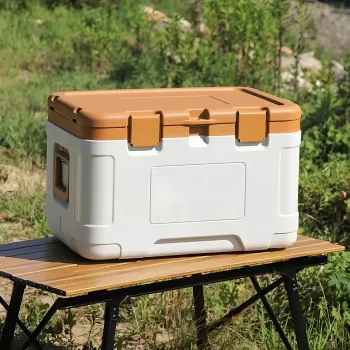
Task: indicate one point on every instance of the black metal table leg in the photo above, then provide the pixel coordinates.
(201, 321)
(271, 314)
(290, 282)
(12, 316)
(3, 303)
(110, 323)
(19, 322)
(46, 319)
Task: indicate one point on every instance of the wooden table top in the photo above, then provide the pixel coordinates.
(49, 263)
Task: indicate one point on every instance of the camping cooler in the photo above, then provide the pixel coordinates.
(159, 172)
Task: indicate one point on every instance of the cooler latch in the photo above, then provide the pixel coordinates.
(251, 126)
(144, 130)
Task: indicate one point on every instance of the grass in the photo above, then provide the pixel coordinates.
(45, 49)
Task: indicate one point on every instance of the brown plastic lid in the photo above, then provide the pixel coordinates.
(177, 112)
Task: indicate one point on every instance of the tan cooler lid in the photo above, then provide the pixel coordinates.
(145, 116)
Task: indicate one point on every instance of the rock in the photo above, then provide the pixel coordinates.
(287, 77)
(162, 18)
(307, 54)
(173, 57)
(336, 66)
(288, 82)
(288, 64)
(304, 84)
(286, 51)
(309, 63)
(331, 21)
(341, 75)
(201, 29)
(325, 10)
(185, 25)
(339, 72)
(147, 9)
(155, 15)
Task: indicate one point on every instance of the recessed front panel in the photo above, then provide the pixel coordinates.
(190, 193)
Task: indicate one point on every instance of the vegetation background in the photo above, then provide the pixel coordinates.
(51, 45)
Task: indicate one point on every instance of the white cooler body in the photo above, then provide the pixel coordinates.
(187, 195)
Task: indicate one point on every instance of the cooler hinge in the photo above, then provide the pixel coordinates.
(251, 125)
(144, 130)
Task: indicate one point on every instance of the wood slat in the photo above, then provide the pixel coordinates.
(49, 263)
(38, 266)
(303, 238)
(75, 271)
(142, 275)
(57, 255)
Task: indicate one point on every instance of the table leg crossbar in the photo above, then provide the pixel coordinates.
(114, 298)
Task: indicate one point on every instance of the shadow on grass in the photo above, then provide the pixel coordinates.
(20, 339)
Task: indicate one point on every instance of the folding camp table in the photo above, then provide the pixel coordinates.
(48, 265)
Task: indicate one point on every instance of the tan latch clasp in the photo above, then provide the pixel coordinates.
(251, 126)
(144, 130)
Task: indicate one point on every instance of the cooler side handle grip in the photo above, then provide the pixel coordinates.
(61, 157)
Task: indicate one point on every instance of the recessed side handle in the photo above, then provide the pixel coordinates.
(60, 188)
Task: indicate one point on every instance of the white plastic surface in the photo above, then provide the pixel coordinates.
(194, 193)
(186, 196)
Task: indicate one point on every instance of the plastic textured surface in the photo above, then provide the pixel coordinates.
(167, 113)
(187, 195)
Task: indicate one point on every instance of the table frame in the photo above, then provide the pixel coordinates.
(114, 298)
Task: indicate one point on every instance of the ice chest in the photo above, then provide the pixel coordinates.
(156, 172)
